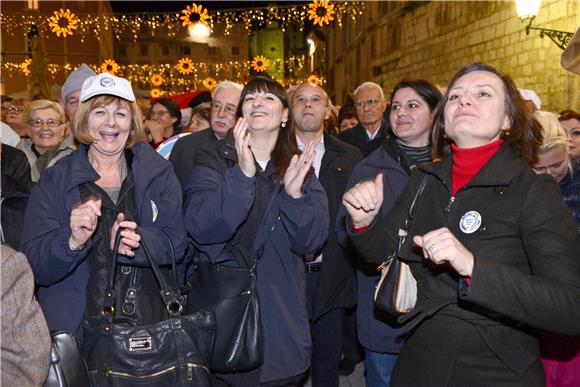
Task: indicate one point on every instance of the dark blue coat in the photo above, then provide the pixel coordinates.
(376, 330)
(570, 187)
(61, 274)
(216, 205)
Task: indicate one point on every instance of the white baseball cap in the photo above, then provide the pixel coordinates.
(530, 95)
(105, 83)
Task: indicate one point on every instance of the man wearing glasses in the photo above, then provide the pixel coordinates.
(226, 97)
(370, 104)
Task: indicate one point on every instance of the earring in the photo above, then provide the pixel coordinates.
(283, 124)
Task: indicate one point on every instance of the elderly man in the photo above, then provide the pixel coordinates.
(71, 90)
(370, 104)
(226, 97)
(330, 276)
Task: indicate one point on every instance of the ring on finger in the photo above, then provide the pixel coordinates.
(431, 250)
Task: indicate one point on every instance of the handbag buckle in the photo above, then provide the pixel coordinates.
(174, 307)
(107, 311)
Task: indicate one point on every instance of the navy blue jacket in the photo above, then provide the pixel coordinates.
(570, 187)
(217, 204)
(377, 331)
(61, 274)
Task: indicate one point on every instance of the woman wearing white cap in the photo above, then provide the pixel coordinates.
(112, 181)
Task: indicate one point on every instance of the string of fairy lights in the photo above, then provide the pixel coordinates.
(185, 73)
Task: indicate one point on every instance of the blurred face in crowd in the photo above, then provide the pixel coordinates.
(310, 108)
(475, 113)
(223, 110)
(160, 114)
(45, 129)
(554, 162)
(264, 111)
(572, 128)
(197, 123)
(109, 125)
(72, 103)
(410, 117)
(5, 106)
(348, 123)
(370, 106)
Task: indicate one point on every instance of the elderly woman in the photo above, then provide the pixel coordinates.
(264, 191)
(112, 181)
(162, 121)
(46, 142)
(496, 249)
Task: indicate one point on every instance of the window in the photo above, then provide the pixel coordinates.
(122, 50)
(212, 51)
(144, 50)
(186, 50)
(235, 51)
(165, 50)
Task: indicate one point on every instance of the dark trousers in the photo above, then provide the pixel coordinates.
(326, 340)
(251, 379)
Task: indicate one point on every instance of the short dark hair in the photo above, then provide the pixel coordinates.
(568, 115)
(5, 98)
(425, 89)
(173, 109)
(525, 133)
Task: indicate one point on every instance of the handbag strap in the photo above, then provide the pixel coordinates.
(172, 304)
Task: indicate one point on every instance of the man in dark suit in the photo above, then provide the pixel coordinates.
(226, 97)
(330, 275)
(370, 104)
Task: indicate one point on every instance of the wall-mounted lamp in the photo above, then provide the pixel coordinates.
(527, 11)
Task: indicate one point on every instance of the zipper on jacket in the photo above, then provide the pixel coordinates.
(450, 204)
(109, 372)
(191, 366)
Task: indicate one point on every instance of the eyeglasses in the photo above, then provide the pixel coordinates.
(37, 124)
(369, 102)
(229, 109)
(15, 109)
(158, 113)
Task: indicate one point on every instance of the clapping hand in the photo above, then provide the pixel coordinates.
(441, 246)
(364, 200)
(297, 170)
(242, 141)
(83, 222)
(129, 237)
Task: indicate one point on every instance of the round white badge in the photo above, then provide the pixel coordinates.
(470, 222)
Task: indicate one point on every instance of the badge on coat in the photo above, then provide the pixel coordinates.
(155, 210)
(470, 222)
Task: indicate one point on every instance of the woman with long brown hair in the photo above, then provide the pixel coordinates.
(254, 195)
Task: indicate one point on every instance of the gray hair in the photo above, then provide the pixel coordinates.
(227, 85)
(370, 85)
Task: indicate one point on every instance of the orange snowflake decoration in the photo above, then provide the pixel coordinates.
(209, 83)
(63, 22)
(25, 66)
(260, 63)
(321, 11)
(155, 93)
(157, 79)
(109, 66)
(184, 66)
(314, 79)
(193, 15)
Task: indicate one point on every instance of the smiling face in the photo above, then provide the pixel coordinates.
(572, 128)
(264, 111)
(160, 114)
(554, 162)
(410, 117)
(310, 108)
(45, 129)
(475, 113)
(110, 125)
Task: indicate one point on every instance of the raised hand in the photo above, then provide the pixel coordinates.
(297, 170)
(83, 222)
(242, 141)
(364, 200)
(155, 129)
(441, 246)
(130, 240)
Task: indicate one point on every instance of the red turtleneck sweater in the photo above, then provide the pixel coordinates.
(468, 161)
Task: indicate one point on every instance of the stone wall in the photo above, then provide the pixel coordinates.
(432, 40)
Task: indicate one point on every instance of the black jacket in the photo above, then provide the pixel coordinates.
(357, 136)
(526, 273)
(336, 285)
(184, 152)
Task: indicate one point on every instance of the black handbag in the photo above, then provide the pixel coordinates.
(231, 293)
(67, 367)
(396, 291)
(173, 352)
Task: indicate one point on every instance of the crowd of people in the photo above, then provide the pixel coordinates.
(314, 196)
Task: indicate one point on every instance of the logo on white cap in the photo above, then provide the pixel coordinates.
(107, 82)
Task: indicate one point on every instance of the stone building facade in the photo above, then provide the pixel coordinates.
(432, 40)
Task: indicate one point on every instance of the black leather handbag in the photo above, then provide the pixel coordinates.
(231, 294)
(396, 292)
(173, 352)
(67, 367)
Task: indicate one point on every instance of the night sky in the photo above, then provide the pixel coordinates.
(176, 6)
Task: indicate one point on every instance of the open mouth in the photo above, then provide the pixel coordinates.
(258, 114)
(108, 136)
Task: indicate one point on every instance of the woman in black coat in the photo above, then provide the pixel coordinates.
(491, 244)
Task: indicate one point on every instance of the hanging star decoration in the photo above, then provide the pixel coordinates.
(109, 66)
(184, 66)
(63, 22)
(209, 83)
(193, 15)
(321, 11)
(155, 93)
(260, 63)
(157, 79)
(25, 66)
(314, 79)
